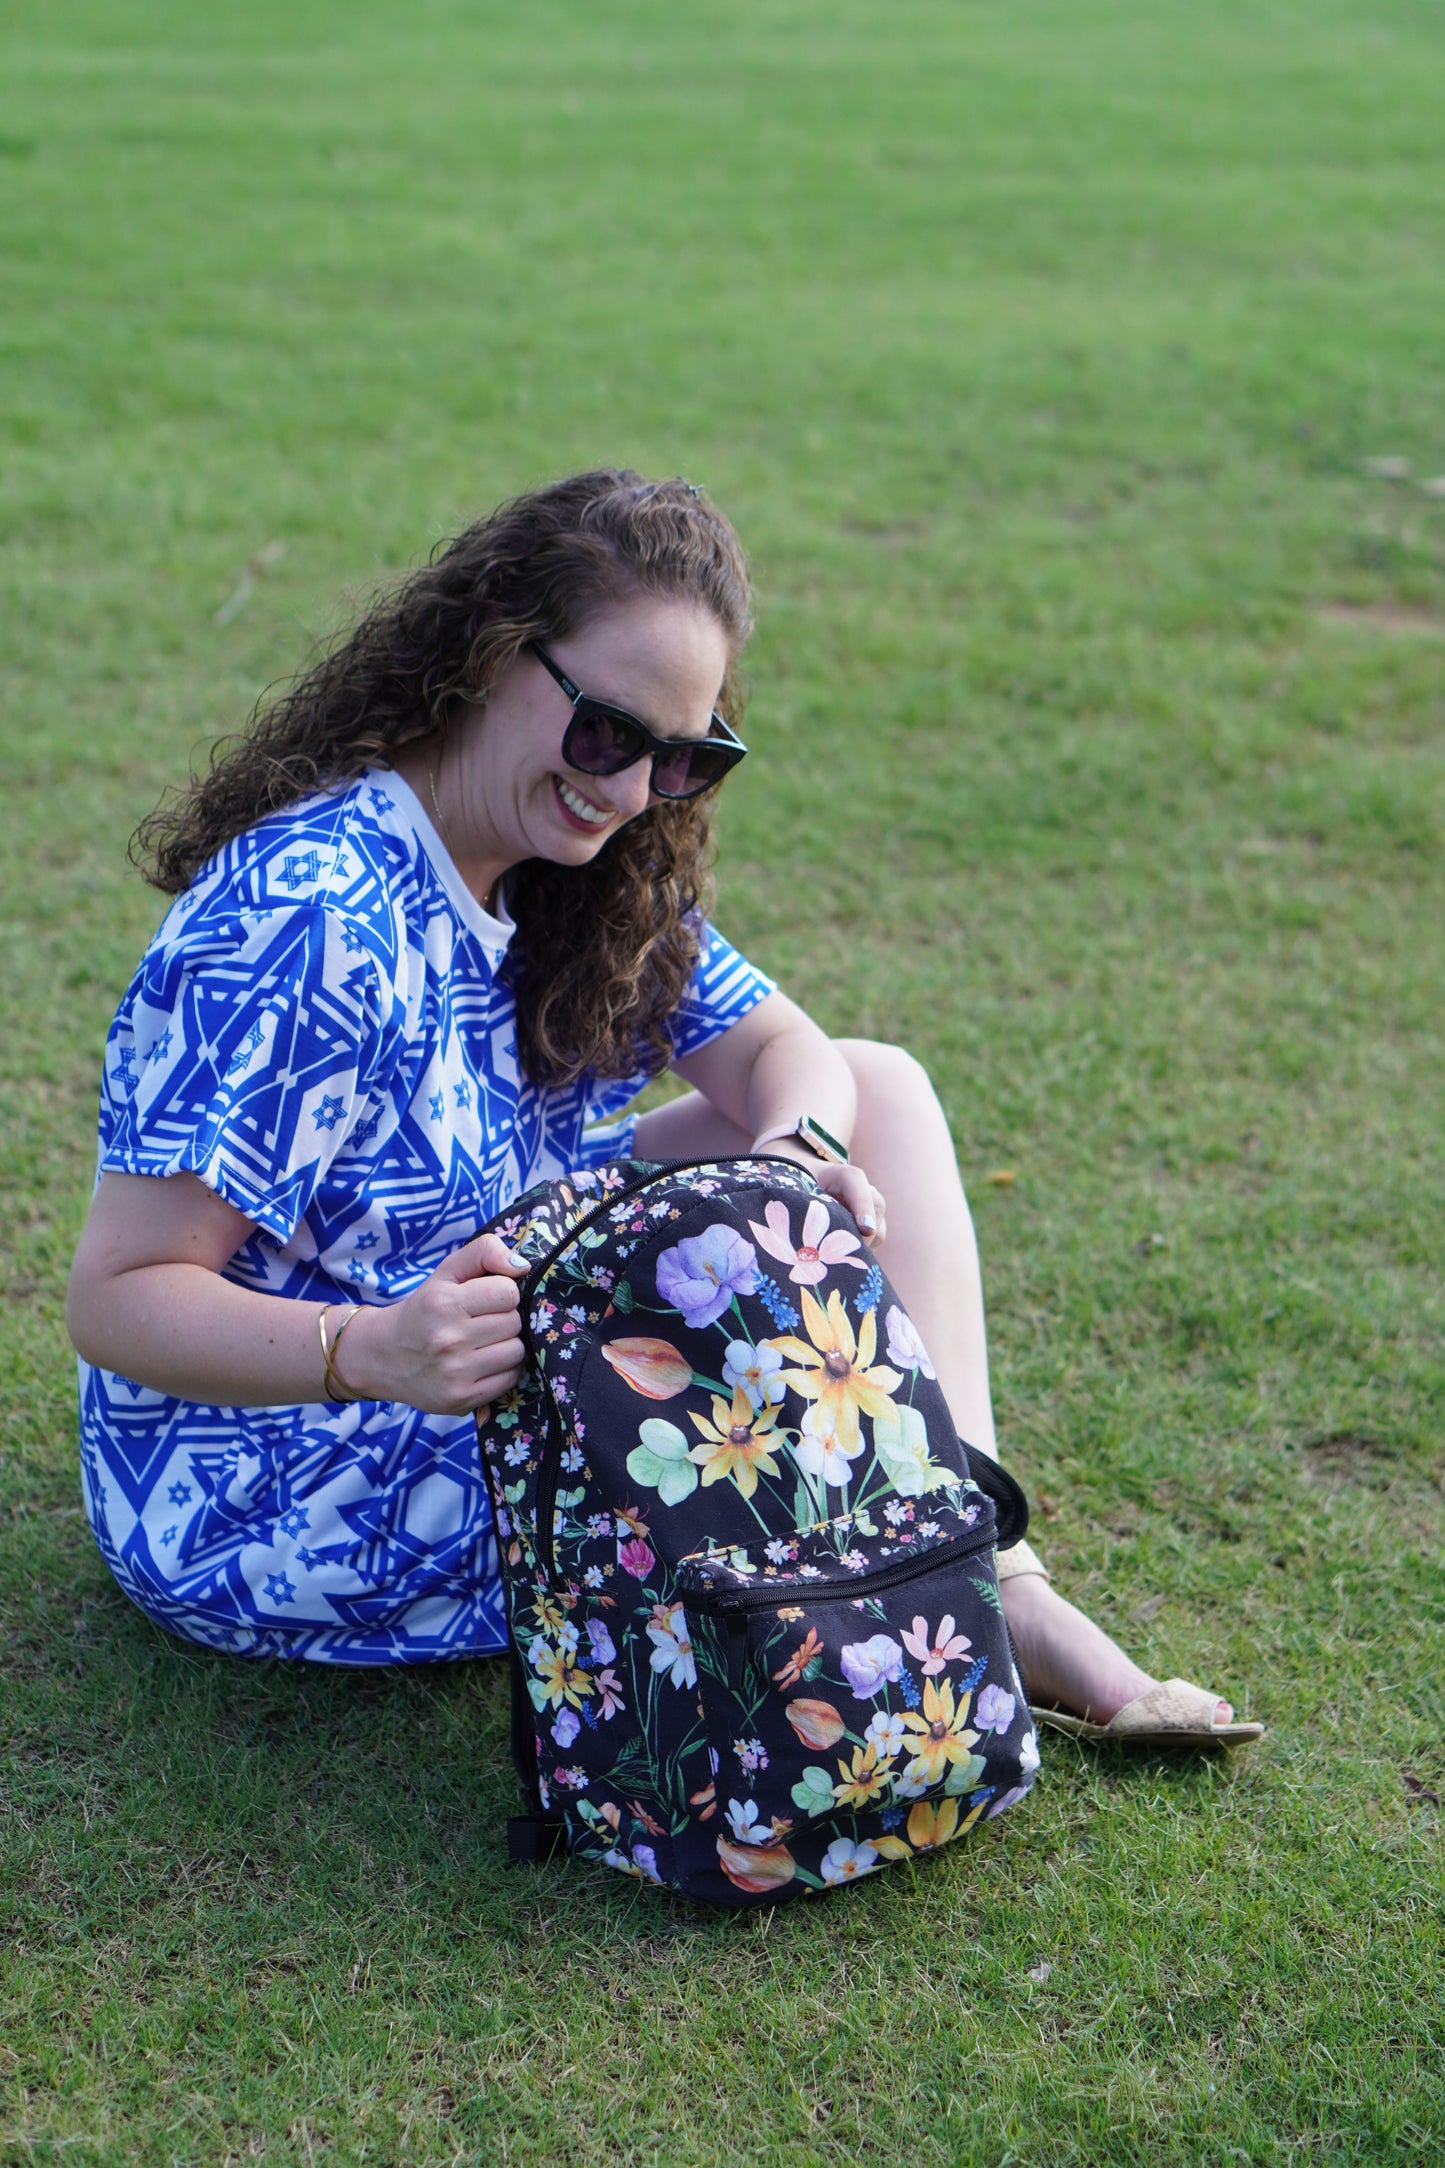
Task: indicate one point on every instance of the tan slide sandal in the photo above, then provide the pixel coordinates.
(1174, 1714)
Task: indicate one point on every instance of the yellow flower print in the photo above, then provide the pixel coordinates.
(552, 1610)
(939, 1826)
(736, 1442)
(937, 1735)
(560, 1678)
(929, 1827)
(864, 1780)
(837, 1372)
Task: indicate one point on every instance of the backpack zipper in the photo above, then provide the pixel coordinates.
(734, 1604)
(551, 1475)
(613, 1197)
(717, 1602)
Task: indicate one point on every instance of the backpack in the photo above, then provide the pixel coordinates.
(757, 1643)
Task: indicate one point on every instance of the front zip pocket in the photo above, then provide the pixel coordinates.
(847, 1673)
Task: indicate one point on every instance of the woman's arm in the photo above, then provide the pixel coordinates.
(770, 1069)
(147, 1299)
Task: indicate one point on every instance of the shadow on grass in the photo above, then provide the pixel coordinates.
(268, 1802)
(146, 1772)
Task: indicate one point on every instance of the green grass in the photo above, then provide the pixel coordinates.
(1036, 352)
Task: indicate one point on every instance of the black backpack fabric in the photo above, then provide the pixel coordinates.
(757, 1642)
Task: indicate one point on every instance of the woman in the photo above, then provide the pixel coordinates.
(438, 917)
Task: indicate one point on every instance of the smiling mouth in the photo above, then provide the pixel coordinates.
(580, 808)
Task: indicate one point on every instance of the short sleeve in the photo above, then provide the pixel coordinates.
(723, 988)
(243, 1052)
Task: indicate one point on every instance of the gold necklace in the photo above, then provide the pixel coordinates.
(441, 818)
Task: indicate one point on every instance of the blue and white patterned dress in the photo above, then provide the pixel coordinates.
(320, 1030)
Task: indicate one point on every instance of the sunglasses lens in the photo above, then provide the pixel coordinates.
(683, 771)
(599, 740)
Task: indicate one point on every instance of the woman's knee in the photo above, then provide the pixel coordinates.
(887, 1077)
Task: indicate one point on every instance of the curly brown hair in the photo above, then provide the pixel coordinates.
(603, 952)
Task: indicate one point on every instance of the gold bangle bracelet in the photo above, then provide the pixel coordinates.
(331, 1384)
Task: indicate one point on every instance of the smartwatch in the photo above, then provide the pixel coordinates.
(820, 1141)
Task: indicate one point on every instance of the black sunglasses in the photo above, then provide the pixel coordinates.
(603, 740)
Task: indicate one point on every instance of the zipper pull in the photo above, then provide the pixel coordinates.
(737, 1650)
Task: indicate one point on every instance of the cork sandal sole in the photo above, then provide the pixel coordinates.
(1174, 1714)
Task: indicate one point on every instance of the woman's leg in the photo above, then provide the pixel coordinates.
(930, 1253)
(901, 1138)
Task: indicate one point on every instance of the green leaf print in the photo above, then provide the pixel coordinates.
(661, 1462)
(965, 1776)
(814, 1793)
(901, 1442)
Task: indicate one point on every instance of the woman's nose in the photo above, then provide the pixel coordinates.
(631, 789)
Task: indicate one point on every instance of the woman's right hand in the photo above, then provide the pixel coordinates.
(450, 1348)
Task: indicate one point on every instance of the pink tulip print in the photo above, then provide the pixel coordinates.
(653, 1368)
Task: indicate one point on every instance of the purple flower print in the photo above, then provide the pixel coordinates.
(867, 1665)
(702, 1275)
(566, 1728)
(994, 1709)
(604, 1649)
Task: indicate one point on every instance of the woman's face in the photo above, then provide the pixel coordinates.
(515, 797)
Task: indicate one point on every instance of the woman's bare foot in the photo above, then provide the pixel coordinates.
(1067, 1661)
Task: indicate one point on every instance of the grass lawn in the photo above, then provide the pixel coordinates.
(1038, 353)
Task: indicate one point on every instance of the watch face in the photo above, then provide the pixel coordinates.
(822, 1141)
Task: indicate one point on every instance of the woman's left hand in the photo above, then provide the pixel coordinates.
(853, 1190)
(849, 1184)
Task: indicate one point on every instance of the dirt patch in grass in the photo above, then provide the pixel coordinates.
(1344, 1458)
(1382, 617)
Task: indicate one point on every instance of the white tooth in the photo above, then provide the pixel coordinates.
(577, 805)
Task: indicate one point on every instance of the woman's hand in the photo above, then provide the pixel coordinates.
(853, 1190)
(849, 1184)
(453, 1346)
(147, 1297)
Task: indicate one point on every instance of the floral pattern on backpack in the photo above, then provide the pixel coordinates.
(750, 1566)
